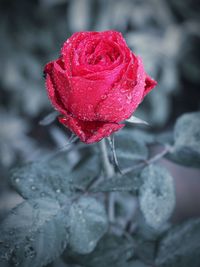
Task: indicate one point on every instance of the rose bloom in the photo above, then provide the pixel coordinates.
(96, 83)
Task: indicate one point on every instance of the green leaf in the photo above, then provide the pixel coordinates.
(130, 182)
(88, 223)
(34, 233)
(157, 196)
(136, 120)
(110, 251)
(129, 148)
(146, 240)
(180, 246)
(51, 117)
(53, 178)
(43, 179)
(187, 140)
(145, 249)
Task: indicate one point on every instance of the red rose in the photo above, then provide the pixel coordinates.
(96, 83)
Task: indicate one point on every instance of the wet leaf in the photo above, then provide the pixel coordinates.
(110, 251)
(187, 140)
(43, 179)
(34, 233)
(129, 148)
(156, 196)
(130, 182)
(49, 118)
(85, 170)
(180, 246)
(88, 223)
(55, 178)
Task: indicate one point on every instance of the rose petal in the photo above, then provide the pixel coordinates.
(69, 49)
(53, 95)
(62, 83)
(86, 94)
(58, 86)
(149, 85)
(90, 132)
(74, 51)
(125, 97)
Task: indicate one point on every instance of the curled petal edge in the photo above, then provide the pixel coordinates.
(90, 131)
(149, 85)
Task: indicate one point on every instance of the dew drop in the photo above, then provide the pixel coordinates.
(29, 252)
(33, 187)
(90, 107)
(35, 206)
(11, 233)
(103, 97)
(13, 212)
(17, 180)
(58, 190)
(91, 243)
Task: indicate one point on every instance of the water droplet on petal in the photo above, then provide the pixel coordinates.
(90, 107)
(103, 97)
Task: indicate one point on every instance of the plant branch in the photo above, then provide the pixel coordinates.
(108, 172)
(152, 160)
(106, 165)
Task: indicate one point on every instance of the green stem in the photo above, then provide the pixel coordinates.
(108, 172)
(154, 159)
(106, 165)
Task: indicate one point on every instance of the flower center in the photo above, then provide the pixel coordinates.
(102, 54)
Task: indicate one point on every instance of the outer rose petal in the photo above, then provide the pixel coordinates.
(53, 95)
(57, 85)
(149, 85)
(85, 93)
(90, 132)
(125, 97)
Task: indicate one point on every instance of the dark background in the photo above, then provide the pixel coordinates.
(164, 32)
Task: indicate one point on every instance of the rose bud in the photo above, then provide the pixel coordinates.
(96, 83)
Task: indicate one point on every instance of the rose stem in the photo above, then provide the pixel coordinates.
(154, 159)
(108, 171)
